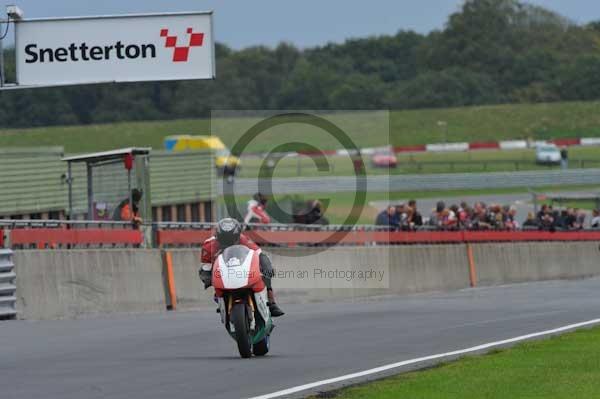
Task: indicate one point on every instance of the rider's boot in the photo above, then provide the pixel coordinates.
(275, 310)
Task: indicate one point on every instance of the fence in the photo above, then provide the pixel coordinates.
(492, 165)
(7, 285)
(69, 235)
(41, 234)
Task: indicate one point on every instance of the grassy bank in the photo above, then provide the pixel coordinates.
(425, 163)
(541, 121)
(562, 367)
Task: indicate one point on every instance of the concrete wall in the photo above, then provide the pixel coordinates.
(190, 290)
(535, 261)
(404, 269)
(68, 283)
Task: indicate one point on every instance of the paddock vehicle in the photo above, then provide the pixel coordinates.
(384, 159)
(242, 298)
(226, 163)
(547, 154)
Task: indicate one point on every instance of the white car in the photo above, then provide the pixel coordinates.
(547, 154)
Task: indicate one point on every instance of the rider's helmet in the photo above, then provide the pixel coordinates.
(228, 232)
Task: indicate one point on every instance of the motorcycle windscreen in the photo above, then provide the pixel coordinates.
(235, 252)
(237, 267)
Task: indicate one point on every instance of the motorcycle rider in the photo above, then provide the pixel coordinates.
(228, 233)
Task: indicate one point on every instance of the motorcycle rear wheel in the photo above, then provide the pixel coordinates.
(240, 322)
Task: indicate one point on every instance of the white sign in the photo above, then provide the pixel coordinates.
(128, 48)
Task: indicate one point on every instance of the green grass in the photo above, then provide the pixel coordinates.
(562, 367)
(340, 204)
(576, 204)
(461, 162)
(541, 121)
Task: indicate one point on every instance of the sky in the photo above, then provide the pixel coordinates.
(304, 23)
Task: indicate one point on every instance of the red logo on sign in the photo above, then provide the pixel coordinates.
(181, 53)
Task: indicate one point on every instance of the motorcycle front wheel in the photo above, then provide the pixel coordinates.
(240, 322)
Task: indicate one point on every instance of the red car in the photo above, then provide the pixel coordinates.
(384, 159)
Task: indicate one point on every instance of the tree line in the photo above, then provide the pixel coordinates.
(489, 52)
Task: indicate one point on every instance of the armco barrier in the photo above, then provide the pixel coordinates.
(69, 283)
(7, 285)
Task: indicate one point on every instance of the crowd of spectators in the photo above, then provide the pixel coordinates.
(481, 216)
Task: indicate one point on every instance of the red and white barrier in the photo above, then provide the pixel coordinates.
(460, 147)
(590, 141)
(513, 145)
(447, 147)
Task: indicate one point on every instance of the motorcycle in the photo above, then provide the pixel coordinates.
(242, 299)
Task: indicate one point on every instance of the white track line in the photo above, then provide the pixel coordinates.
(387, 367)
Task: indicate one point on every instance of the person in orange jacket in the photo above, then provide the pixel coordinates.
(130, 212)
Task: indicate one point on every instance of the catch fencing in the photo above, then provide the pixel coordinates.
(7, 285)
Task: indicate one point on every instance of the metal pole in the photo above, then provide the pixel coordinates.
(2, 79)
(70, 182)
(90, 192)
(129, 194)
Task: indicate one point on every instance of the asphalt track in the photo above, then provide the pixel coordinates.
(188, 355)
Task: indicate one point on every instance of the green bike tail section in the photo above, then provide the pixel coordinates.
(260, 334)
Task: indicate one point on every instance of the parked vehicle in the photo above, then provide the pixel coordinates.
(384, 159)
(547, 154)
(226, 163)
(242, 298)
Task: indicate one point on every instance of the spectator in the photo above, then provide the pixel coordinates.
(410, 217)
(564, 158)
(570, 219)
(314, 215)
(579, 219)
(510, 220)
(595, 223)
(481, 218)
(451, 220)
(484, 217)
(546, 218)
(531, 221)
(417, 218)
(436, 218)
(385, 217)
(464, 216)
(256, 212)
(130, 212)
(400, 218)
